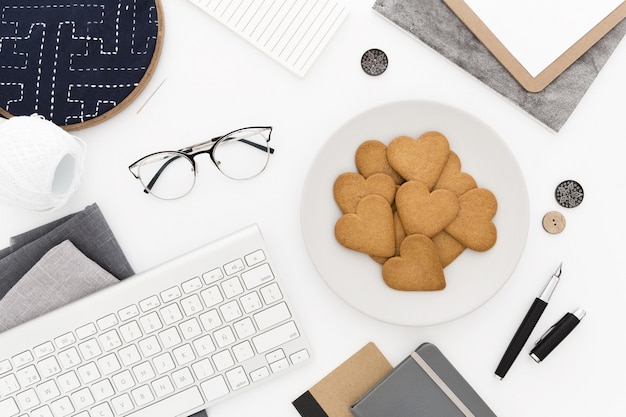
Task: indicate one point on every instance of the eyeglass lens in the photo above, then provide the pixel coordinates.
(167, 175)
(243, 154)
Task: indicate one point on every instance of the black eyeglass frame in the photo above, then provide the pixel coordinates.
(190, 152)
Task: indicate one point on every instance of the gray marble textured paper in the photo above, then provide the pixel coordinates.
(432, 22)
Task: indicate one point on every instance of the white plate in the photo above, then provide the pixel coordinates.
(474, 277)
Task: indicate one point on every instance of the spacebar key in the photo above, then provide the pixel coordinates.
(177, 405)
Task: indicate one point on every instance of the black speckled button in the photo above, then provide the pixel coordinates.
(553, 222)
(374, 62)
(569, 194)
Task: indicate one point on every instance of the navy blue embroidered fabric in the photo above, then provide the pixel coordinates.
(75, 61)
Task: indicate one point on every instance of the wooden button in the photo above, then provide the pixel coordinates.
(553, 222)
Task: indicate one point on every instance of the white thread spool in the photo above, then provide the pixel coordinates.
(40, 163)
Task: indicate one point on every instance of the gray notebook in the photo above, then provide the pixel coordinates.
(425, 384)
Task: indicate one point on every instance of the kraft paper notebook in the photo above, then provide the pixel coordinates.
(425, 384)
(536, 40)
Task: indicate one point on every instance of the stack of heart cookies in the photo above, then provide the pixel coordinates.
(412, 209)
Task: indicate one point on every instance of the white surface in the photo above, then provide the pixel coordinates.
(473, 277)
(217, 82)
(537, 32)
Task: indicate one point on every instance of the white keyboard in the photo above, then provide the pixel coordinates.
(168, 342)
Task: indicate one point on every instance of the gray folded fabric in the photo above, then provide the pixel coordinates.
(87, 230)
(432, 22)
(61, 276)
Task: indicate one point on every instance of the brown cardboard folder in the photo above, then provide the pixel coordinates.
(502, 54)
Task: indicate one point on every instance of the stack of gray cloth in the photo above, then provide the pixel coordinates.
(62, 261)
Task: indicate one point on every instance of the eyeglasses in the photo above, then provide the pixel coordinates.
(241, 154)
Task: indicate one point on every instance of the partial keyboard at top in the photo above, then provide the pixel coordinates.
(167, 342)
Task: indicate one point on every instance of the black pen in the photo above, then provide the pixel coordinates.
(528, 324)
(556, 334)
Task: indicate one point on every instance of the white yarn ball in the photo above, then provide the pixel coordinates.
(40, 163)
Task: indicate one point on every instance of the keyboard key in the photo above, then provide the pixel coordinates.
(86, 331)
(271, 293)
(65, 340)
(22, 359)
(233, 267)
(8, 407)
(202, 369)
(107, 322)
(40, 351)
(130, 331)
(251, 302)
(237, 378)
(122, 404)
(243, 351)
(46, 412)
(69, 358)
(109, 364)
(90, 349)
(212, 296)
(299, 356)
(231, 311)
(259, 374)
(191, 305)
(257, 276)
(204, 345)
(210, 320)
(169, 338)
(28, 376)
(149, 347)
(184, 355)
(82, 398)
(255, 257)
(190, 328)
(182, 378)
(48, 390)
(89, 373)
(215, 388)
(143, 372)
(142, 395)
(62, 407)
(128, 313)
(8, 385)
(68, 381)
(223, 360)
(224, 336)
(271, 316)
(5, 366)
(123, 381)
(129, 355)
(232, 287)
(48, 367)
(102, 390)
(170, 294)
(102, 410)
(151, 323)
(192, 285)
(275, 337)
(27, 399)
(171, 314)
(162, 387)
(212, 276)
(178, 404)
(149, 303)
(163, 363)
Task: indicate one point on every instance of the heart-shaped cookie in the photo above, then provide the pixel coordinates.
(448, 248)
(453, 179)
(417, 268)
(420, 159)
(350, 188)
(424, 212)
(400, 234)
(371, 158)
(370, 229)
(473, 227)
